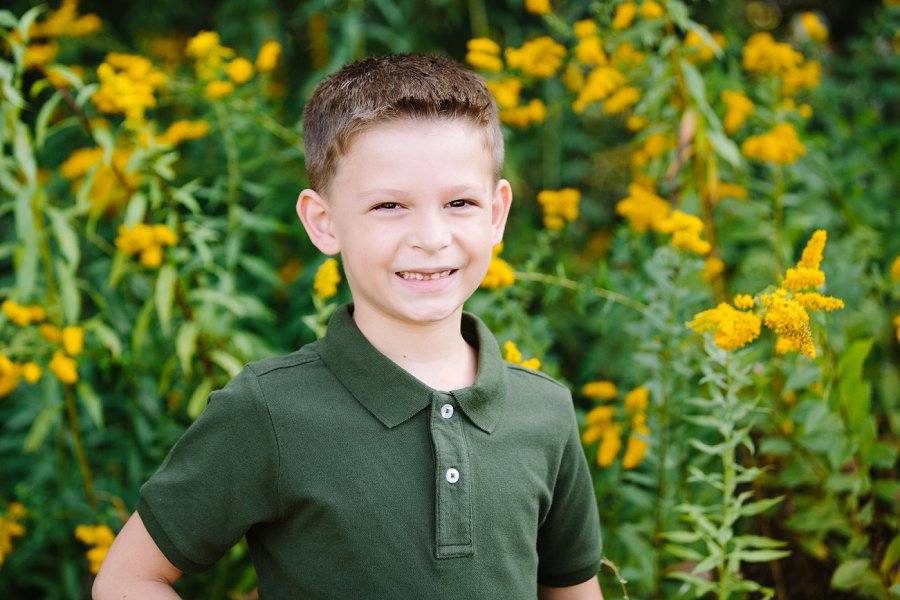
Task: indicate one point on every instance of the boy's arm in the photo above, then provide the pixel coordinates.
(589, 590)
(135, 567)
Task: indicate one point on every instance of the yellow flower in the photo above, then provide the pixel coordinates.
(621, 101)
(50, 333)
(815, 302)
(744, 301)
(626, 55)
(537, 7)
(127, 86)
(739, 108)
(733, 328)
(22, 315)
(762, 54)
(701, 49)
(635, 123)
(609, 445)
(31, 372)
(240, 70)
(541, 57)
(585, 28)
(505, 91)
(654, 145)
(73, 340)
(787, 318)
(642, 208)
(685, 230)
(40, 54)
(731, 190)
(484, 54)
(624, 16)
(218, 89)
(780, 146)
(63, 21)
(636, 448)
(589, 51)
(712, 268)
(600, 390)
(897, 327)
(268, 56)
(10, 528)
(65, 368)
(181, 131)
(637, 399)
(559, 206)
(500, 273)
(804, 77)
(328, 276)
(600, 83)
(524, 116)
(783, 345)
(10, 373)
(813, 252)
(650, 10)
(147, 241)
(814, 26)
(514, 355)
(895, 269)
(100, 537)
(597, 420)
(801, 279)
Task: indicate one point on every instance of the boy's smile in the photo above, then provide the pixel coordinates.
(414, 211)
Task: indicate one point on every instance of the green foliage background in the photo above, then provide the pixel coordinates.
(765, 475)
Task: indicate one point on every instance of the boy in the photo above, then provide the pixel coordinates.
(398, 456)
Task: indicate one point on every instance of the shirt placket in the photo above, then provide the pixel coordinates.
(453, 479)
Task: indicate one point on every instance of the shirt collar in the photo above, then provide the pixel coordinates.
(393, 395)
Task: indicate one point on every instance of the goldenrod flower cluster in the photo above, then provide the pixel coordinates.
(541, 57)
(895, 270)
(685, 230)
(781, 146)
(65, 21)
(181, 131)
(10, 527)
(653, 145)
(524, 116)
(701, 49)
(712, 268)
(601, 426)
(22, 315)
(733, 328)
(643, 208)
(328, 276)
(10, 374)
(813, 26)
(599, 85)
(626, 55)
(500, 273)
(505, 92)
(514, 355)
(600, 390)
(805, 77)
(208, 53)
(100, 538)
(624, 15)
(762, 54)
(127, 86)
(484, 54)
(559, 206)
(146, 240)
(785, 310)
(621, 100)
(268, 56)
(589, 51)
(63, 365)
(537, 7)
(725, 189)
(739, 108)
(111, 183)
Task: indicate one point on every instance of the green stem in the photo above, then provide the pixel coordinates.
(478, 19)
(728, 476)
(232, 167)
(72, 413)
(778, 223)
(575, 285)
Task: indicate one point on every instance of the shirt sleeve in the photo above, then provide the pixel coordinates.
(569, 544)
(219, 479)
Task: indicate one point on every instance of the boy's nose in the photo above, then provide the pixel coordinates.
(430, 232)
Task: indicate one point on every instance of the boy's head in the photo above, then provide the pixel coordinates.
(384, 89)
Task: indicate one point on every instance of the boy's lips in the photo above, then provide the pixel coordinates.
(425, 275)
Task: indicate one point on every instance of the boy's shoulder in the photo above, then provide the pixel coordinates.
(273, 364)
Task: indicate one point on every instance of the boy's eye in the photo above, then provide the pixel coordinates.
(387, 206)
(459, 203)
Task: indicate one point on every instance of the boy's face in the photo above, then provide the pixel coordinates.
(414, 212)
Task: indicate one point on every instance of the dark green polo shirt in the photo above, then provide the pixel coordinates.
(353, 479)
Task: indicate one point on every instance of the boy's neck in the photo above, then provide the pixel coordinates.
(435, 354)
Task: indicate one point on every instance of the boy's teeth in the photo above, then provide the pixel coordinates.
(423, 276)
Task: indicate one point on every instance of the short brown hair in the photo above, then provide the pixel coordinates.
(382, 89)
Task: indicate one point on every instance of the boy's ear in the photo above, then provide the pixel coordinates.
(500, 209)
(315, 215)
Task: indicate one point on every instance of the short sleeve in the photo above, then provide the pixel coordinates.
(569, 545)
(219, 479)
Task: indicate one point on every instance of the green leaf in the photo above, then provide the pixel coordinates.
(694, 81)
(682, 537)
(198, 399)
(754, 508)
(762, 555)
(65, 236)
(41, 427)
(849, 574)
(725, 147)
(70, 296)
(164, 295)
(854, 392)
(107, 337)
(43, 118)
(91, 402)
(891, 555)
(186, 345)
(229, 363)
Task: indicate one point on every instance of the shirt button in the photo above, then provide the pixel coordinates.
(446, 411)
(452, 475)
